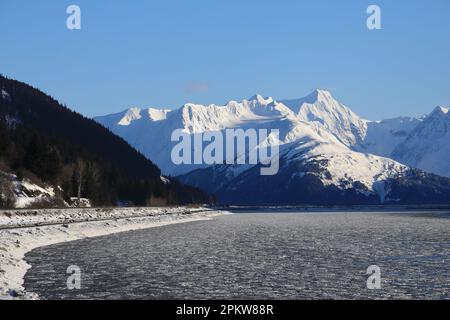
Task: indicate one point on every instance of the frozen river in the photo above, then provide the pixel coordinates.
(256, 256)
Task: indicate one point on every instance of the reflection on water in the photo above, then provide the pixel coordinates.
(256, 256)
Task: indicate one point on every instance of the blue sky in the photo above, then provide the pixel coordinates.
(166, 53)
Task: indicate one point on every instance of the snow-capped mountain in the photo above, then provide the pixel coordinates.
(427, 146)
(382, 137)
(312, 172)
(328, 154)
(151, 134)
(322, 108)
(149, 130)
(417, 142)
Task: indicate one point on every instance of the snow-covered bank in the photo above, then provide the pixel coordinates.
(23, 231)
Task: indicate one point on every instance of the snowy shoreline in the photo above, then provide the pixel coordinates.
(24, 230)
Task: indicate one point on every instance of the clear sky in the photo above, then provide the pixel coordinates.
(166, 53)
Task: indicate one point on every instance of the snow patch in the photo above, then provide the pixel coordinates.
(157, 114)
(25, 193)
(131, 115)
(165, 180)
(5, 95)
(28, 193)
(79, 202)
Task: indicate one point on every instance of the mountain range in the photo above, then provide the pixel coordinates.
(328, 154)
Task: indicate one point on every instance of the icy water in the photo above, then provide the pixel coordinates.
(257, 256)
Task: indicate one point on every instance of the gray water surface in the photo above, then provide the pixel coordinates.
(256, 256)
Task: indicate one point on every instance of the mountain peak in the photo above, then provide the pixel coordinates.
(261, 99)
(130, 115)
(157, 114)
(440, 111)
(319, 95)
(322, 91)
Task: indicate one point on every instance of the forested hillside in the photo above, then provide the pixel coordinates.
(46, 142)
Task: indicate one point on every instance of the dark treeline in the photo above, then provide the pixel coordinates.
(43, 140)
